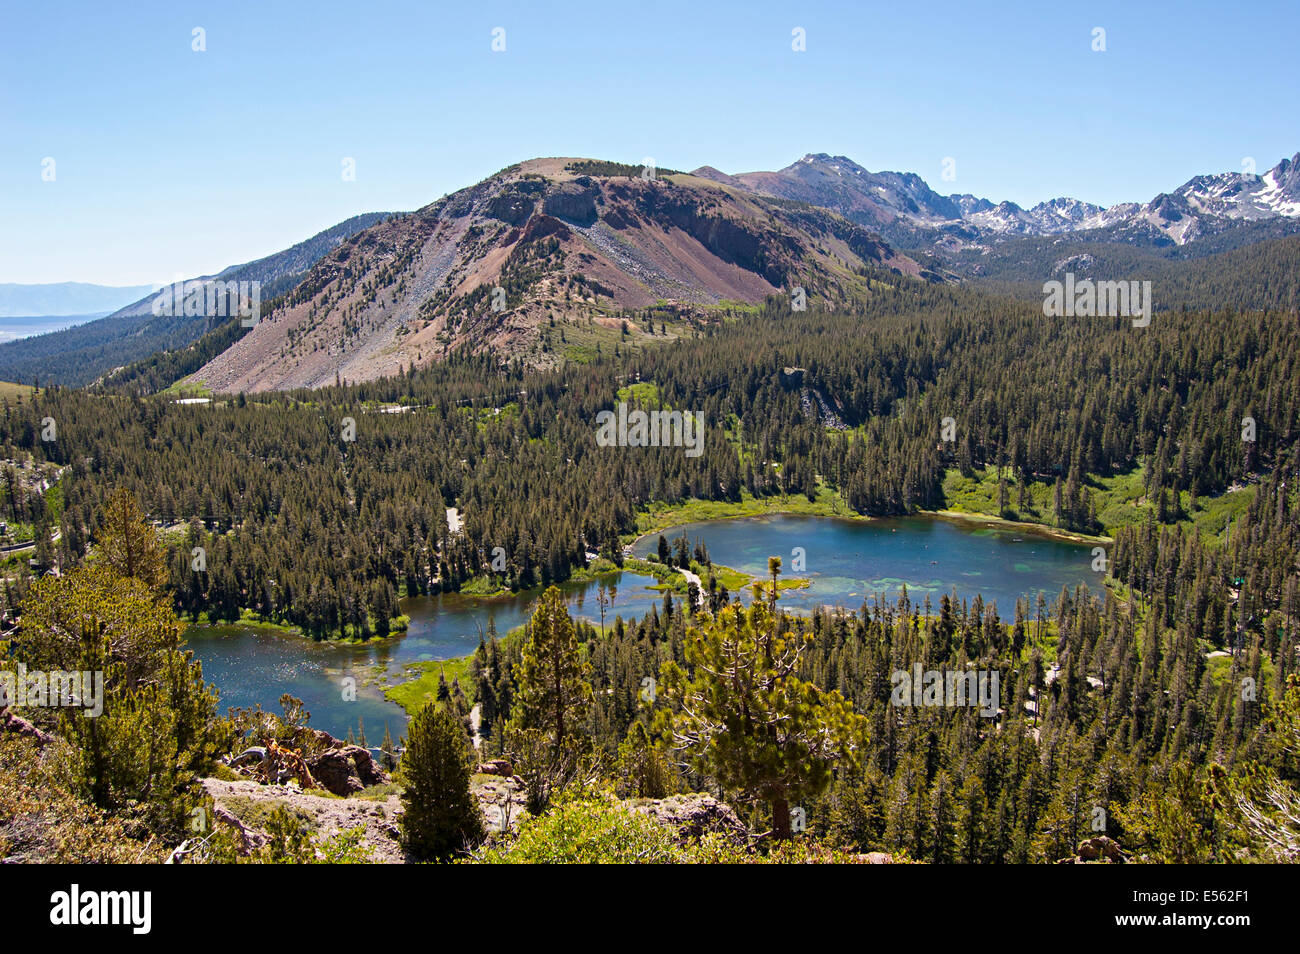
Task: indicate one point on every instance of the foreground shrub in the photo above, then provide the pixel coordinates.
(588, 830)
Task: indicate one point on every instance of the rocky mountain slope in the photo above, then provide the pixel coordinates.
(1209, 204)
(566, 242)
(568, 249)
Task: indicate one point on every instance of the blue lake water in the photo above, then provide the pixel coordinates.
(848, 563)
(251, 666)
(13, 329)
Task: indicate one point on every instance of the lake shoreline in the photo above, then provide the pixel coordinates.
(963, 516)
(249, 619)
(967, 552)
(1055, 533)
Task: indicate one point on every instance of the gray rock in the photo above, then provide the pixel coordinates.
(694, 815)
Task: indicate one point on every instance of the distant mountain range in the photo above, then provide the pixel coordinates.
(911, 214)
(65, 298)
(80, 355)
(565, 241)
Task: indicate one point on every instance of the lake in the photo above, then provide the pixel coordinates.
(251, 665)
(16, 328)
(848, 562)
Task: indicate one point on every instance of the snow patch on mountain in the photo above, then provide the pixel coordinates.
(1205, 205)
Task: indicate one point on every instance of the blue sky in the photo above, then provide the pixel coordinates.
(170, 161)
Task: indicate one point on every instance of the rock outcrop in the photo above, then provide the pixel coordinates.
(500, 767)
(311, 759)
(574, 200)
(20, 726)
(511, 207)
(346, 770)
(242, 806)
(1102, 848)
(694, 815)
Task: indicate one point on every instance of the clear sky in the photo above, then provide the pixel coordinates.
(171, 161)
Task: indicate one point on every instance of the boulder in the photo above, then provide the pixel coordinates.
(346, 769)
(694, 815)
(500, 767)
(20, 726)
(1100, 848)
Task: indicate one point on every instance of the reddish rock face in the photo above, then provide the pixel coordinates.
(346, 770)
(19, 726)
(559, 245)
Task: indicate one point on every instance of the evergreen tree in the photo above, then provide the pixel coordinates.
(128, 544)
(745, 719)
(548, 725)
(554, 693)
(643, 770)
(441, 816)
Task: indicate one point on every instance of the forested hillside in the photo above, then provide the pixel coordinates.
(1261, 275)
(1147, 720)
(1113, 711)
(275, 491)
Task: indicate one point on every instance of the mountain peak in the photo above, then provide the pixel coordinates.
(542, 258)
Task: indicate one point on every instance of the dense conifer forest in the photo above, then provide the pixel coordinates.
(301, 524)
(1113, 709)
(1159, 709)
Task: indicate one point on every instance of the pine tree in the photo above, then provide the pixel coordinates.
(554, 694)
(441, 816)
(155, 734)
(128, 544)
(642, 768)
(745, 719)
(548, 725)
